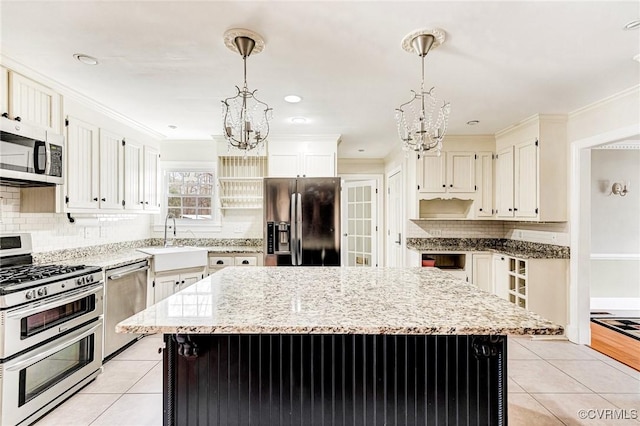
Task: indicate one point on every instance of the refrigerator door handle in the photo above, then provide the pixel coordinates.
(299, 228)
(293, 242)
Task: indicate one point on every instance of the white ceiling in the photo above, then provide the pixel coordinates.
(164, 63)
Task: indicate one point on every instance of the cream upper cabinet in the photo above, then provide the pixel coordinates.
(504, 183)
(451, 172)
(4, 93)
(110, 165)
(133, 172)
(31, 102)
(303, 156)
(82, 181)
(484, 178)
(531, 169)
(151, 180)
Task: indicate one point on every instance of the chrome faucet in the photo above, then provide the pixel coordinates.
(166, 220)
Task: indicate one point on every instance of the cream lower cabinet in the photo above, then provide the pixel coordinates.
(481, 271)
(219, 261)
(164, 284)
(538, 285)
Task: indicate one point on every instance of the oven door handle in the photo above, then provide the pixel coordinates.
(127, 272)
(40, 308)
(18, 364)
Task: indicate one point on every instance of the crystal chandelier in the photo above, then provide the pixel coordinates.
(422, 121)
(245, 117)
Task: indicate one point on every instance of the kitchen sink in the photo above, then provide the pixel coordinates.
(176, 257)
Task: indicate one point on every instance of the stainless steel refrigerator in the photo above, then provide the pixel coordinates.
(302, 221)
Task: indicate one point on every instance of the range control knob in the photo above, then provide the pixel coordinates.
(90, 278)
(40, 292)
(79, 281)
(28, 295)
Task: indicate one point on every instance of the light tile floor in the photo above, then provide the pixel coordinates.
(550, 381)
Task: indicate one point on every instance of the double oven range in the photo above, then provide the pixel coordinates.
(51, 331)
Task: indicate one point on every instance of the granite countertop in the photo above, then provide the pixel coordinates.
(124, 256)
(521, 249)
(335, 300)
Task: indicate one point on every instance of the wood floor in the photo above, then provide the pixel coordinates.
(616, 345)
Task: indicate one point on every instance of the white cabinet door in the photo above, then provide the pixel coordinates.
(151, 179)
(164, 286)
(484, 179)
(500, 273)
(431, 173)
(189, 278)
(82, 165)
(526, 180)
(110, 164)
(34, 103)
(284, 165)
(318, 165)
(133, 196)
(504, 183)
(482, 271)
(461, 176)
(4, 92)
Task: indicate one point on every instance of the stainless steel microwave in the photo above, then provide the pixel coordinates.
(29, 156)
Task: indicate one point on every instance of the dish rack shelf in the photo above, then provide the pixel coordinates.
(240, 182)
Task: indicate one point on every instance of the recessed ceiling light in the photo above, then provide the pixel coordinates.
(637, 57)
(633, 25)
(298, 120)
(361, 150)
(473, 122)
(292, 99)
(172, 127)
(85, 59)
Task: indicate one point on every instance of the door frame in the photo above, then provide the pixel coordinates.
(403, 227)
(578, 329)
(354, 177)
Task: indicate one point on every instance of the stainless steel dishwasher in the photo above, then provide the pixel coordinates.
(125, 295)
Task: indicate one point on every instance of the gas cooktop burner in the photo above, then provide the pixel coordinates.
(25, 273)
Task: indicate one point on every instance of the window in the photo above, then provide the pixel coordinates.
(189, 194)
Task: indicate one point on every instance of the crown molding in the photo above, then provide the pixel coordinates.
(616, 96)
(66, 91)
(533, 119)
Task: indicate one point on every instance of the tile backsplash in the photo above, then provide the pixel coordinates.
(546, 233)
(53, 231)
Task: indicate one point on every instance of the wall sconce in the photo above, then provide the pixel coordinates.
(620, 188)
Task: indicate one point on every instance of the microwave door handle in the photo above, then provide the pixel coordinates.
(37, 147)
(292, 230)
(299, 226)
(47, 158)
(10, 366)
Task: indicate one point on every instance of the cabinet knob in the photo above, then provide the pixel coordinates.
(510, 209)
(95, 199)
(515, 209)
(141, 202)
(104, 199)
(245, 262)
(5, 114)
(182, 281)
(444, 186)
(219, 262)
(177, 282)
(451, 186)
(146, 202)
(18, 119)
(480, 209)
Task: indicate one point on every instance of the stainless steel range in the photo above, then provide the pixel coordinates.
(51, 331)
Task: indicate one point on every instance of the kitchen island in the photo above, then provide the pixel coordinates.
(310, 345)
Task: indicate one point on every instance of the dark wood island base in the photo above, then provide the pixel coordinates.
(334, 379)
